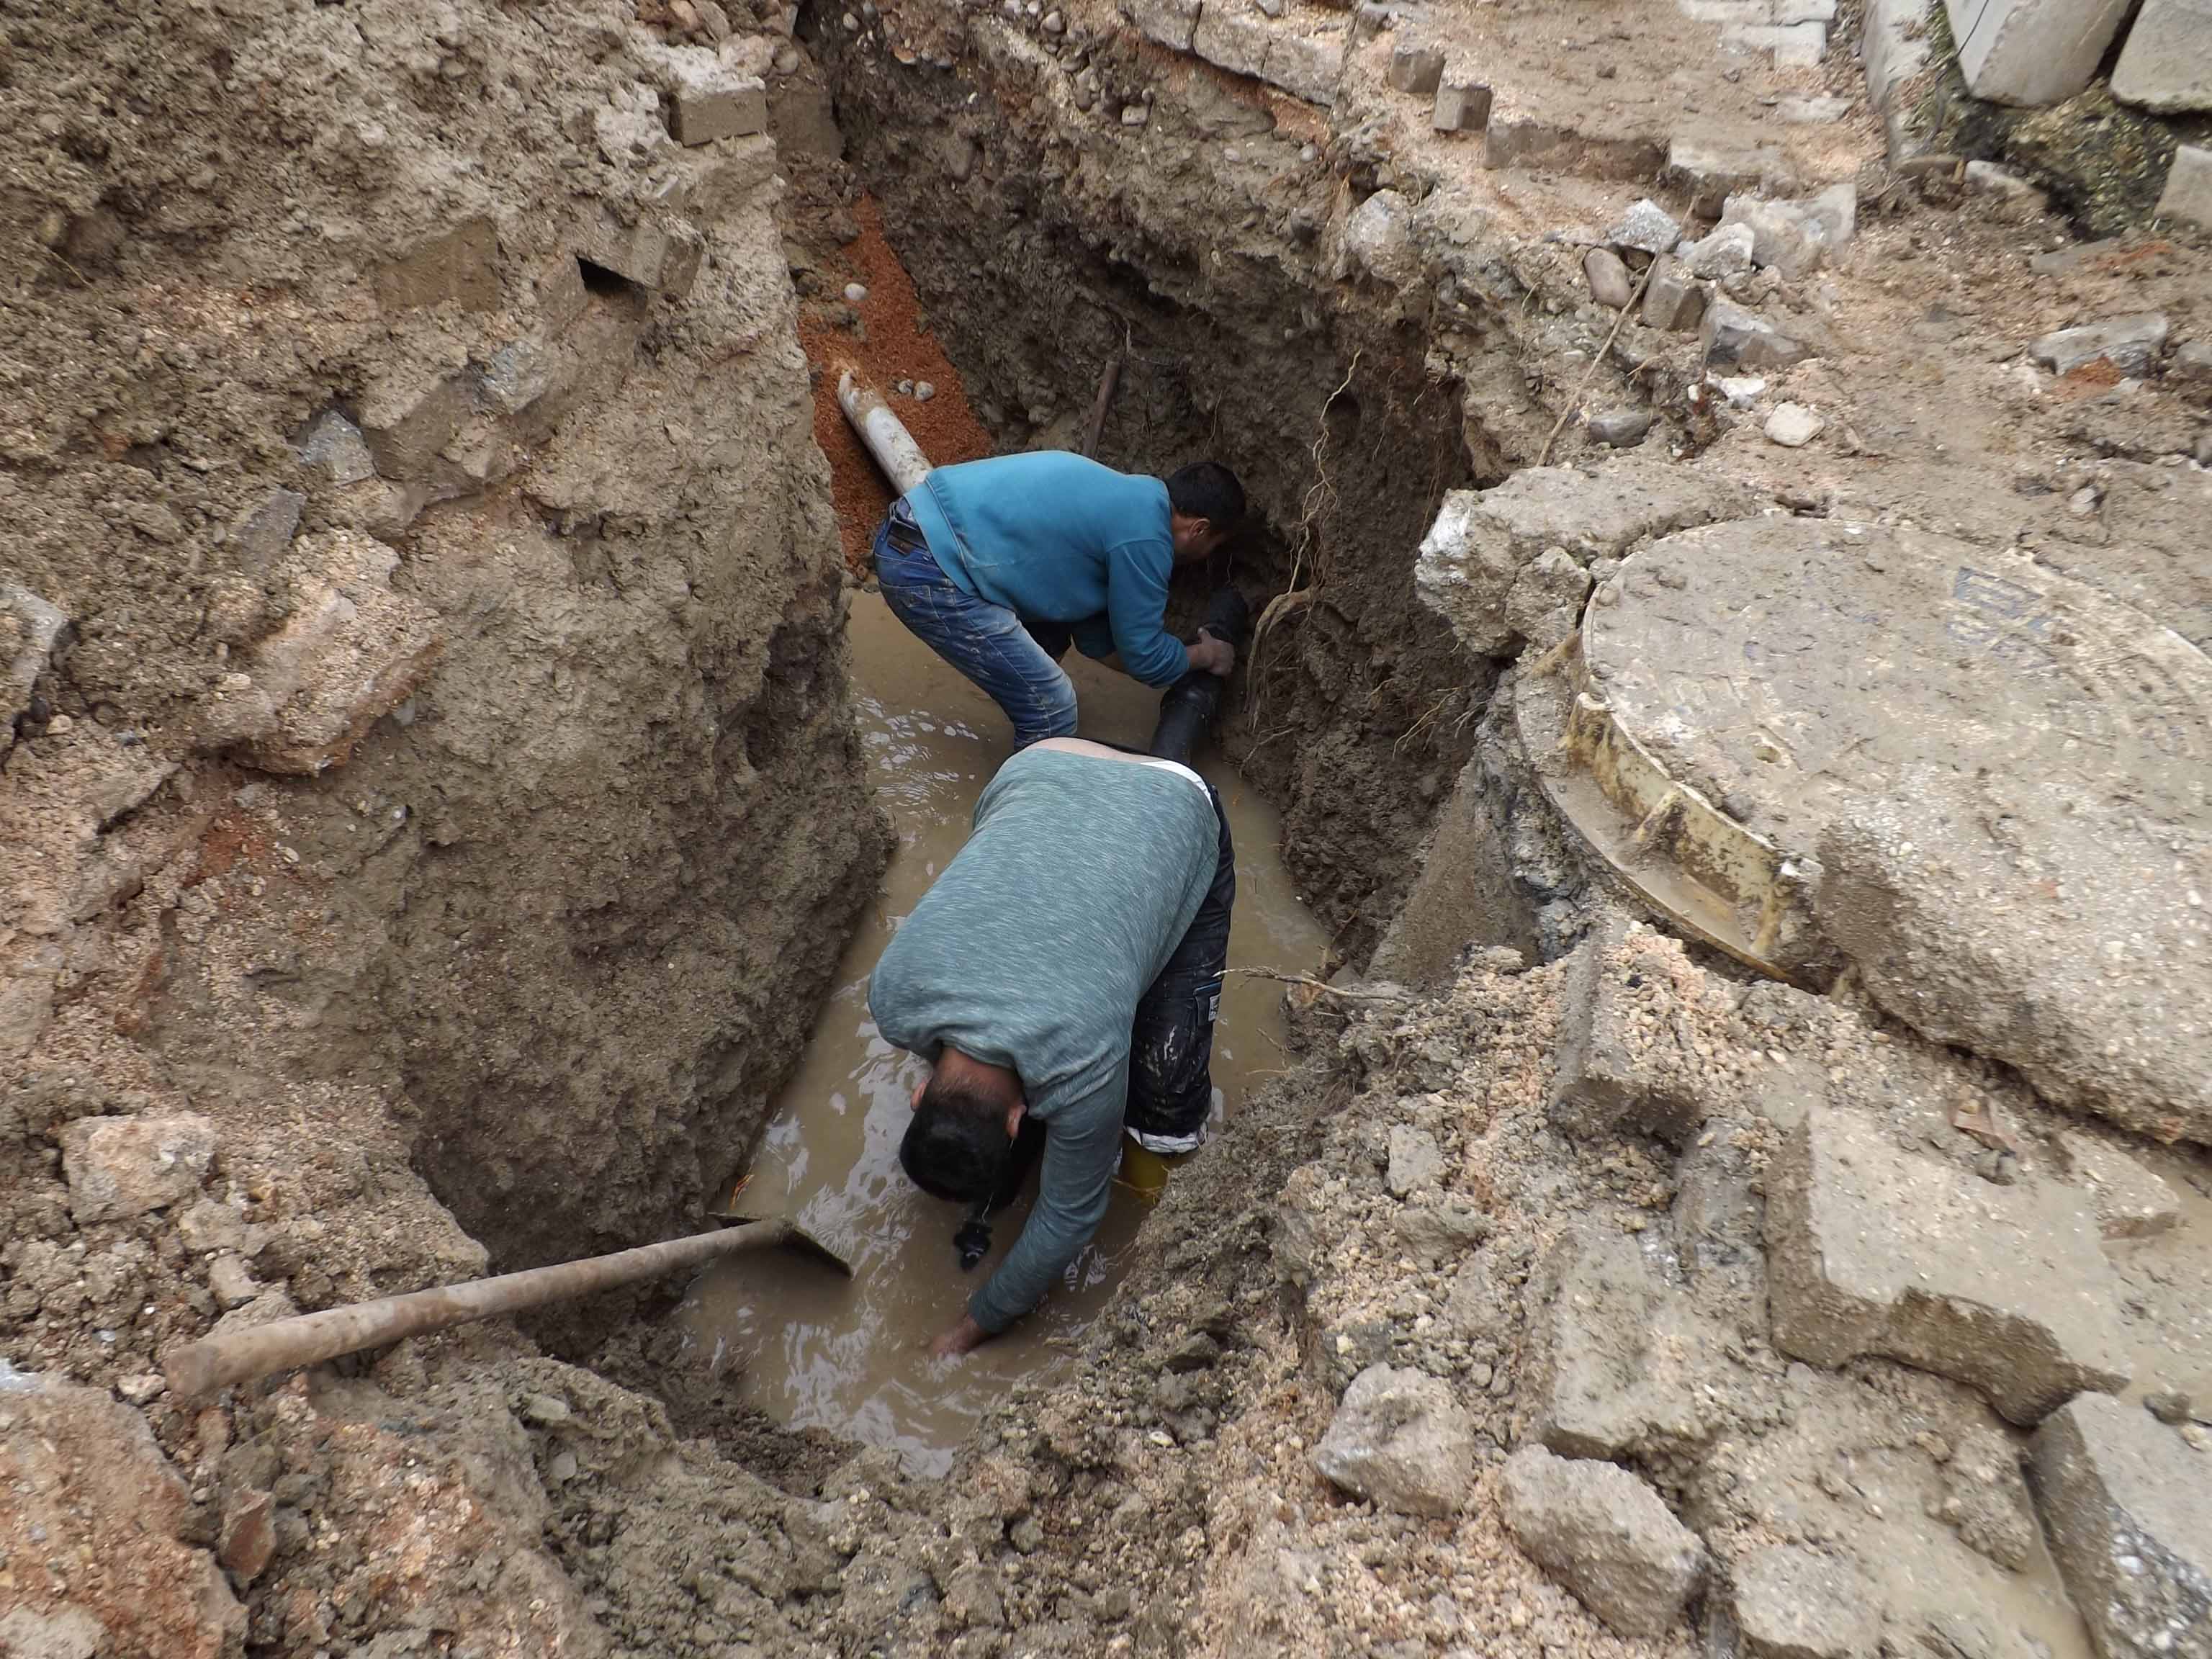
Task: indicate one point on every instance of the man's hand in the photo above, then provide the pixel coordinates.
(1216, 656)
(959, 1339)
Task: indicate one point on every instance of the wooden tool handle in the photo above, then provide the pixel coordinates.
(283, 1345)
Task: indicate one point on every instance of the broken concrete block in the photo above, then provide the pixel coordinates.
(1171, 22)
(1796, 1603)
(1416, 69)
(1623, 1364)
(1873, 1250)
(1789, 237)
(1837, 211)
(1792, 426)
(333, 446)
(257, 539)
(1646, 227)
(2166, 64)
(722, 105)
(2130, 1201)
(1231, 38)
(1615, 1044)
(1475, 551)
(1732, 335)
(1711, 173)
(1399, 1440)
(1546, 600)
(351, 650)
(1673, 300)
(1725, 251)
(2031, 52)
(231, 1282)
(1460, 106)
(1605, 1535)
(1416, 1161)
(2127, 1510)
(120, 1167)
(460, 267)
(2188, 193)
(1306, 65)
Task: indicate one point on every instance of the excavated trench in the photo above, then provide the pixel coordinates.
(1332, 753)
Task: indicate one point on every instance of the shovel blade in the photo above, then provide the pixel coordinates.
(793, 1236)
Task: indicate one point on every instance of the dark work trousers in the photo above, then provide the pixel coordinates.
(1171, 1039)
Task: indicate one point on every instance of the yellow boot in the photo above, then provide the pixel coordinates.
(1144, 1172)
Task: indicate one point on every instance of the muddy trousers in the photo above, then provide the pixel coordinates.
(1171, 1039)
(987, 643)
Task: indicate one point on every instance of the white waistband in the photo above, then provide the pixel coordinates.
(1179, 770)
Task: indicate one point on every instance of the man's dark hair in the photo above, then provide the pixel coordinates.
(956, 1147)
(1208, 490)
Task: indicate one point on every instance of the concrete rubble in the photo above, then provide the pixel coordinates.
(2031, 52)
(1625, 1366)
(1606, 1536)
(1479, 542)
(1796, 1603)
(2187, 194)
(2129, 343)
(2128, 1513)
(1874, 1250)
(1399, 1440)
(2166, 64)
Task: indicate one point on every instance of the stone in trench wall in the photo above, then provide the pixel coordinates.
(1873, 1250)
(2031, 52)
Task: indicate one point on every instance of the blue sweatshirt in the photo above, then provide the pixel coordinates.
(1060, 539)
(1033, 950)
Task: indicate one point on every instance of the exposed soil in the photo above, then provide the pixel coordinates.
(430, 837)
(886, 340)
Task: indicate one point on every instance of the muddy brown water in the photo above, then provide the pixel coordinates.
(852, 1357)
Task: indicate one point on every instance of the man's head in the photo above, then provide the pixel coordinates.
(1204, 503)
(961, 1142)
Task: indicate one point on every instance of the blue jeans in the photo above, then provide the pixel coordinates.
(987, 643)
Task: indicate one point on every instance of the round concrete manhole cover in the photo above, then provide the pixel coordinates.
(1985, 787)
(1784, 666)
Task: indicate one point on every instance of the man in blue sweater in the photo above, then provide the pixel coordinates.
(1062, 977)
(996, 565)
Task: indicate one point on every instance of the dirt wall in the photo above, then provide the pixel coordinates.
(430, 803)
